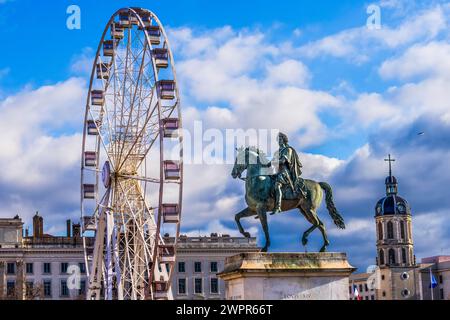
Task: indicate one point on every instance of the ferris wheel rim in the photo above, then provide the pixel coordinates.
(100, 145)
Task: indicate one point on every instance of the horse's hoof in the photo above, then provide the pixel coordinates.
(247, 234)
(264, 249)
(304, 241)
(323, 249)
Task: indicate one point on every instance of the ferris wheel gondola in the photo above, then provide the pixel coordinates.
(132, 161)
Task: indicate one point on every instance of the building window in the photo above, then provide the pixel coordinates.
(11, 288)
(198, 285)
(82, 267)
(382, 277)
(64, 289)
(47, 267)
(366, 287)
(197, 266)
(29, 268)
(214, 285)
(181, 267)
(47, 288)
(402, 229)
(390, 230)
(441, 293)
(381, 257)
(384, 293)
(82, 290)
(29, 286)
(213, 266)
(441, 279)
(380, 231)
(350, 289)
(391, 255)
(181, 286)
(403, 255)
(11, 268)
(372, 297)
(64, 267)
(361, 288)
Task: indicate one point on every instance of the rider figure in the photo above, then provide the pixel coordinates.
(289, 172)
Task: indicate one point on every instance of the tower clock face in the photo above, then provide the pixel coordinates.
(379, 209)
(401, 208)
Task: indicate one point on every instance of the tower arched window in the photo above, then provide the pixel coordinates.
(380, 231)
(390, 230)
(402, 230)
(403, 255)
(391, 256)
(381, 257)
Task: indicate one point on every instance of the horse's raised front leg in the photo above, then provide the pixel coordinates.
(244, 213)
(262, 214)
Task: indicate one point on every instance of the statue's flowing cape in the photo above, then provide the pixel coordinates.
(295, 166)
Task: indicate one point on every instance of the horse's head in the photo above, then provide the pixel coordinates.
(240, 163)
(247, 158)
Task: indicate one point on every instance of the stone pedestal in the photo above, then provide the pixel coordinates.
(287, 276)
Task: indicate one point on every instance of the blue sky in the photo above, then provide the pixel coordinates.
(351, 95)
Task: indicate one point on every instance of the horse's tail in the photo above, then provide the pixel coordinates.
(337, 218)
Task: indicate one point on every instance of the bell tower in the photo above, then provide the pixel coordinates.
(393, 225)
(395, 251)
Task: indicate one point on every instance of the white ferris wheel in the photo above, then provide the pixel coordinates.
(132, 161)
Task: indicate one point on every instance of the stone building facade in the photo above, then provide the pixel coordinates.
(200, 259)
(40, 266)
(440, 270)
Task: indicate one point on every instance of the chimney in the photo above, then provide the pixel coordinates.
(76, 230)
(38, 226)
(69, 225)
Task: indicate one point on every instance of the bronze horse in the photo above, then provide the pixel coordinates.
(260, 199)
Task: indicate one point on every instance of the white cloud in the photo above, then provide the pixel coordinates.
(41, 150)
(431, 59)
(363, 228)
(430, 233)
(358, 44)
(231, 74)
(289, 72)
(81, 64)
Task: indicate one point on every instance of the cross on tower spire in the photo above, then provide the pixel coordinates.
(390, 160)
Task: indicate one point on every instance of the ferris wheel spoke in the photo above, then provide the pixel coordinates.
(102, 141)
(139, 136)
(140, 178)
(134, 97)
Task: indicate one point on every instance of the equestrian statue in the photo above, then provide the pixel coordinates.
(283, 191)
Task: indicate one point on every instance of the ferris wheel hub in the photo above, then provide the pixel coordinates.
(106, 174)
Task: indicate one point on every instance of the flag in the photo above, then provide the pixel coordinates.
(356, 293)
(433, 282)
